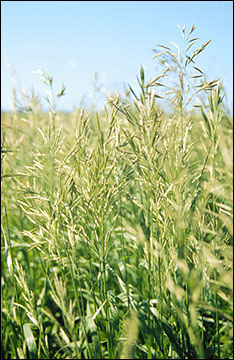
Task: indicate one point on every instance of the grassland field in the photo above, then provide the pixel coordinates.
(117, 230)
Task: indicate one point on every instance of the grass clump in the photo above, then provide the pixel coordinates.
(117, 225)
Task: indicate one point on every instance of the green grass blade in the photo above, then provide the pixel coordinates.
(30, 340)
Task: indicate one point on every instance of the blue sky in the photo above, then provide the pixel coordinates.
(71, 40)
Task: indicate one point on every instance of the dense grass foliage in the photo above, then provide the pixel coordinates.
(117, 225)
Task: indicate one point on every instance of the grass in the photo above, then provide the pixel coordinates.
(117, 225)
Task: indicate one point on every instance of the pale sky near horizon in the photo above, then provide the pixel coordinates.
(71, 40)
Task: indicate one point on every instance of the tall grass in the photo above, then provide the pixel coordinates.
(117, 225)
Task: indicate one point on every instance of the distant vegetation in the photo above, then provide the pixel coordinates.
(117, 229)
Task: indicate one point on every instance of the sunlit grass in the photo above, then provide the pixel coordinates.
(117, 225)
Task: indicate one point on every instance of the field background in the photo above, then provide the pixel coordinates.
(117, 223)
